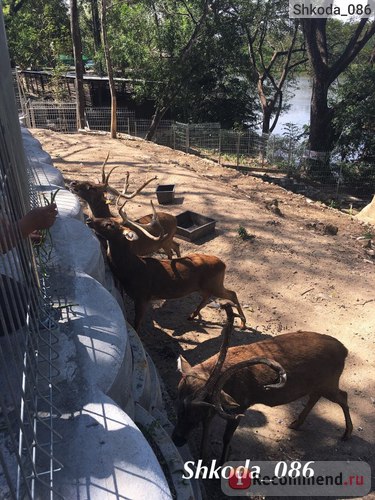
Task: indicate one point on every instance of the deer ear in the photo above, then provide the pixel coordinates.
(228, 402)
(182, 365)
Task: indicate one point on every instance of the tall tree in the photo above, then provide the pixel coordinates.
(78, 63)
(108, 60)
(274, 50)
(325, 71)
(177, 61)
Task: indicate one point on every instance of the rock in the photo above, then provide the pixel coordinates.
(367, 214)
(322, 228)
(273, 206)
(331, 229)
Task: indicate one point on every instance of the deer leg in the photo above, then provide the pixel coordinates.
(168, 251)
(341, 398)
(205, 299)
(140, 306)
(230, 429)
(205, 434)
(232, 296)
(313, 399)
(176, 248)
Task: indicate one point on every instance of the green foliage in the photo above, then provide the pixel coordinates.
(205, 84)
(38, 32)
(354, 115)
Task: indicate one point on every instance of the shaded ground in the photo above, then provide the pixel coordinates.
(290, 276)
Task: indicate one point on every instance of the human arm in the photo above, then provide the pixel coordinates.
(36, 219)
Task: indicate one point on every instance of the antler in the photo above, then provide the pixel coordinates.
(143, 227)
(105, 178)
(126, 185)
(224, 377)
(215, 374)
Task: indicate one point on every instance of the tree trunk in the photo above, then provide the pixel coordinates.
(321, 134)
(320, 118)
(77, 51)
(266, 119)
(111, 81)
(96, 33)
(156, 119)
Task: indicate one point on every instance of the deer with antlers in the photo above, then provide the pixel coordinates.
(94, 195)
(307, 364)
(145, 279)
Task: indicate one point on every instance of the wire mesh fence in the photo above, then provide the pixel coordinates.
(279, 157)
(28, 327)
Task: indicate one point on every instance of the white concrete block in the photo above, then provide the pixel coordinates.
(35, 153)
(105, 456)
(101, 335)
(46, 176)
(76, 247)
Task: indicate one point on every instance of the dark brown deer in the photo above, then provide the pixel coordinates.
(94, 195)
(145, 279)
(308, 364)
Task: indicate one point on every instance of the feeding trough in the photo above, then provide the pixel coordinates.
(165, 193)
(192, 226)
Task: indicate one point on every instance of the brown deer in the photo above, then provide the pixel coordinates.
(145, 279)
(308, 364)
(94, 195)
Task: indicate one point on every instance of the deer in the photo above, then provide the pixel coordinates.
(94, 195)
(306, 363)
(145, 279)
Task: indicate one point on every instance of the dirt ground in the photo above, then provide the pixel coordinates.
(288, 276)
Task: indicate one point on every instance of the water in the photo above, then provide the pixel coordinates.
(299, 111)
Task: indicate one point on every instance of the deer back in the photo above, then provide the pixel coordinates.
(145, 246)
(311, 360)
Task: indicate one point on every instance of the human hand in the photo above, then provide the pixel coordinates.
(38, 218)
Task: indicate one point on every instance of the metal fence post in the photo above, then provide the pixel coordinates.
(174, 134)
(238, 149)
(135, 128)
(32, 115)
(219, 146)
(187, 138)
(27, 114)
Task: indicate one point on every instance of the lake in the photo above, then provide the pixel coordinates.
(299, 111)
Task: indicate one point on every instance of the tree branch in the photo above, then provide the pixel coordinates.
(275, 120)
(353, 47)
(189, 12)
